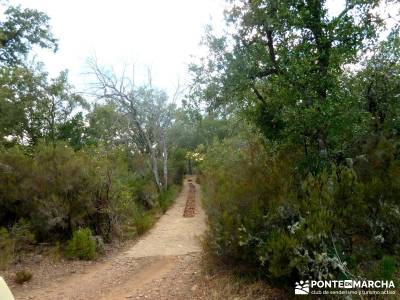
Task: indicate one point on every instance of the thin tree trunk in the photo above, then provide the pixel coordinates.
(150, 150)
(154, 168)
(165, 161)
(154, 164)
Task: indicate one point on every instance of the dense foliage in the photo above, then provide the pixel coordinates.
(263, 213)
(299, 146)
(82, 245)
(310, 189)
(70, 168)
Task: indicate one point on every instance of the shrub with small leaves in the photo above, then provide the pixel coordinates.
(82, 245)
(143, 222)
(384, 269)
(342, 221)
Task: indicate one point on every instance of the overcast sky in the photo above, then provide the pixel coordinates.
(157, 33)
(162, 34)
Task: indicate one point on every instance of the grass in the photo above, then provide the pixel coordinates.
(220, 281)
(232, 280)
(167, 198)
(144, 220)
(223, 279)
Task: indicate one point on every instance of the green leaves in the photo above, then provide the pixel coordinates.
(262, 210)
(82, 245)
(35, 107)
(22, 29)
(321, 187)
(283, 63)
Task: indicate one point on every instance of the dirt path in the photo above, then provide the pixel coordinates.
(163, 264)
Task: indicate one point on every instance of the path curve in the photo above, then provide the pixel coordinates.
(164, 256)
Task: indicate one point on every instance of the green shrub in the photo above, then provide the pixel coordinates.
(7, 246)
(14, 241)
(142, 218)
(167, 197)
(82, 245)
(143, 221)
(22, 276)
(262, 211)
(58, 189)
(22, 235)
(177, 166)
(53, 189)
(147, 193)
(384, 269)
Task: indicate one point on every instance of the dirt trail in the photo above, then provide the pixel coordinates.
(163, 264)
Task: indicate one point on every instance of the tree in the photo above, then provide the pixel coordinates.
(107, 126)
(377, 83)
(34, 107)
(22, 29)
(23, 85)
(283, 63)
(20, 107)
(59, 105)
(324, 94)
(147, 112)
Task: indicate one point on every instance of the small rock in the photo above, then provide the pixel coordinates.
(194, 288)
(37, 258)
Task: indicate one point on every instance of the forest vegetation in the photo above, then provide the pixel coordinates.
(74, 165)
(307, 184)
(292, 122)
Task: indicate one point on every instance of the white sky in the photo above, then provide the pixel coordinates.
(162, 34)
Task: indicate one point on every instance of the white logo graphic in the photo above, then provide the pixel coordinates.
(348, 284)
(330, 286)
(302, 288)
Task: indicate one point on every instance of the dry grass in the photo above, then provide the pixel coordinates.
(220, 282)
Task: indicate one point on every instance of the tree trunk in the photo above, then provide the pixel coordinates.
(154, 169)
(150, 150)
(165, 161)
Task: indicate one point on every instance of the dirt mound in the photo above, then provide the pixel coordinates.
(190, 202)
